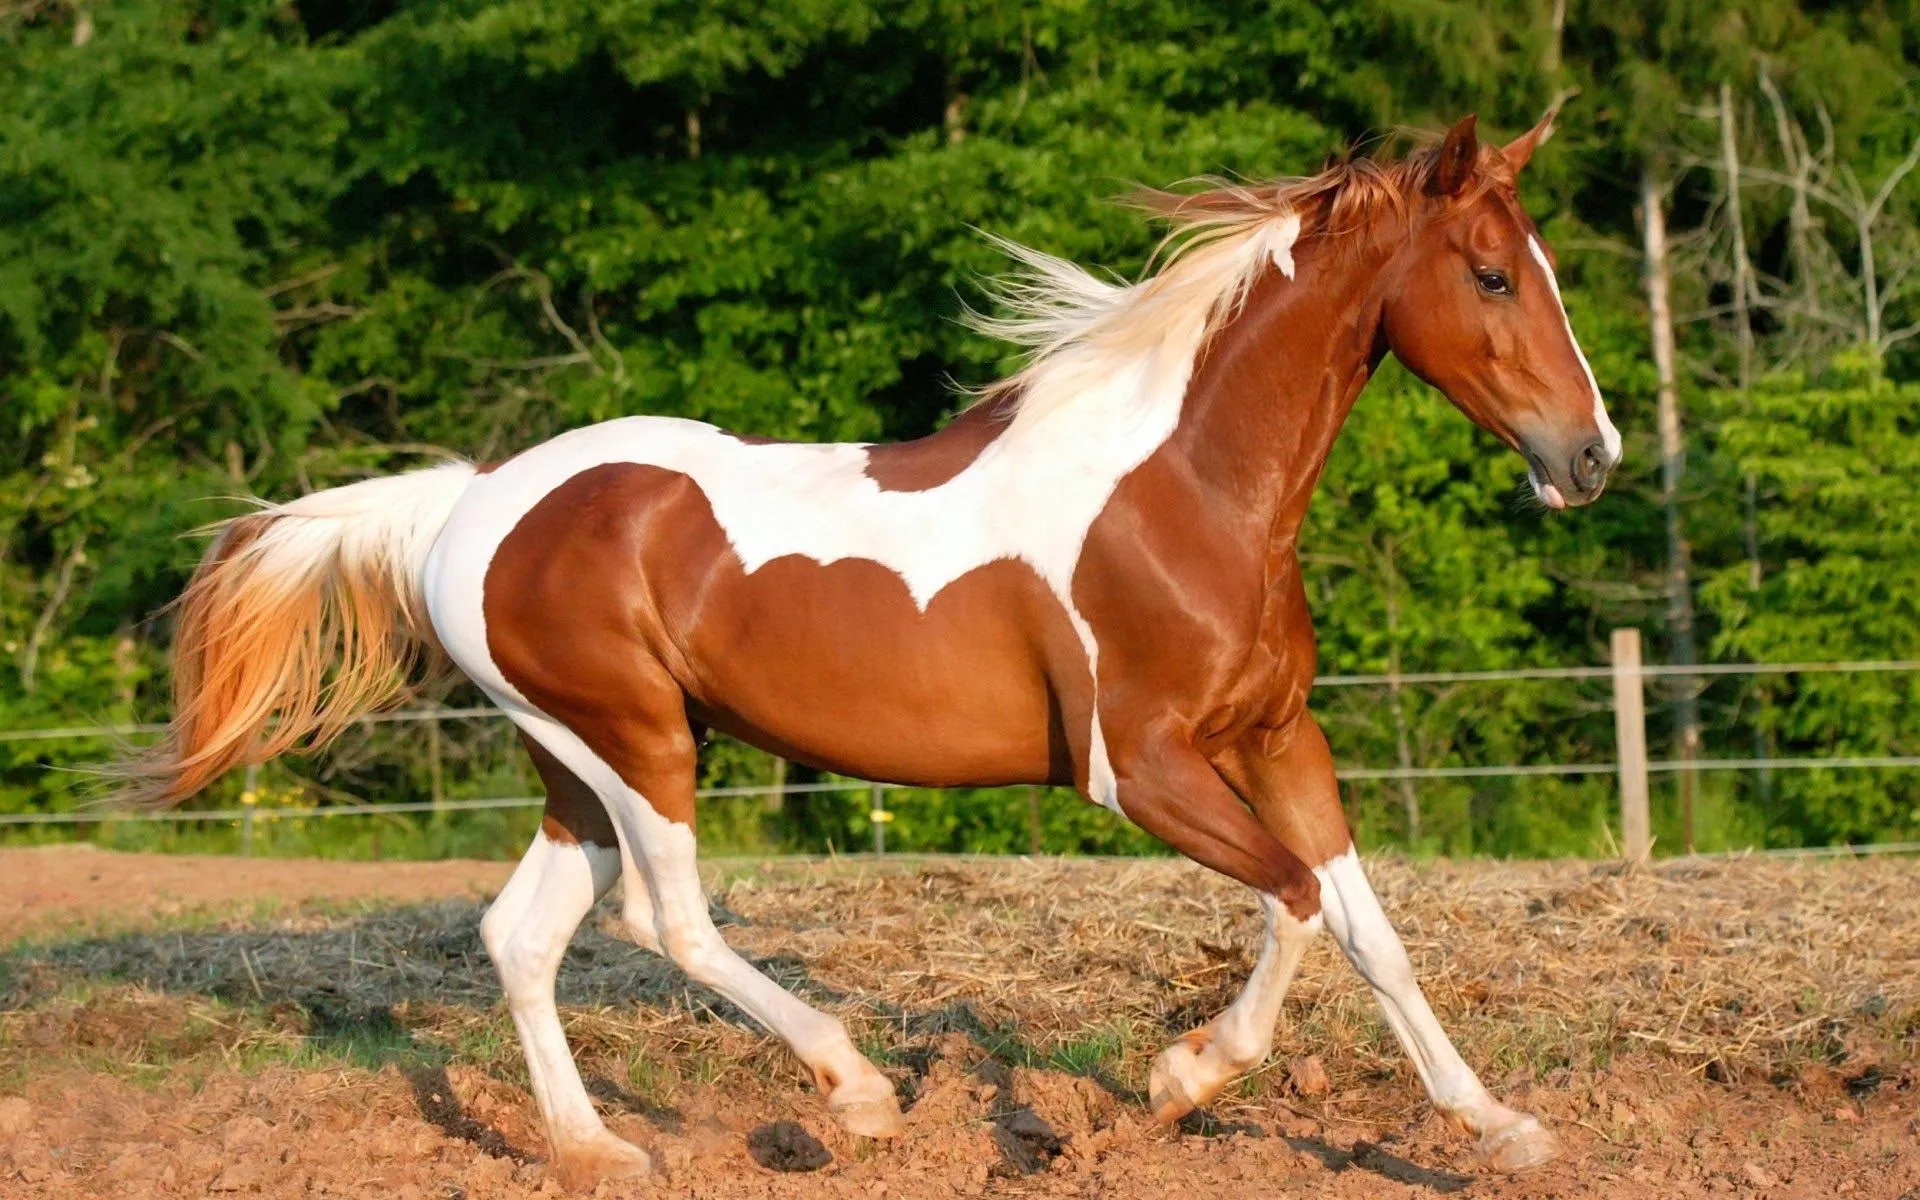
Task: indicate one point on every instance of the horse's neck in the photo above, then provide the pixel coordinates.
(1273, 386)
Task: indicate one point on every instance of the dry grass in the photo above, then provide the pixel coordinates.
(1727, 967)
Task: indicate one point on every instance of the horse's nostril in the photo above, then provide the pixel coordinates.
(1589, 467)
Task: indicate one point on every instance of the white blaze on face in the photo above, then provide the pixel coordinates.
(1609, 436)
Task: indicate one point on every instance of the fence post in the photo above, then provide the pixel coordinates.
(777, 798)
(434, 789)
(249, 796)
(1630, 734)
(880, 816)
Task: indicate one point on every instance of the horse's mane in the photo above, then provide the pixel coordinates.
(1075, 324)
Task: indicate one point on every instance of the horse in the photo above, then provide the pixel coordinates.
(1088, 577)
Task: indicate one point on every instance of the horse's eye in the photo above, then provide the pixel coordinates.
(1494, 283)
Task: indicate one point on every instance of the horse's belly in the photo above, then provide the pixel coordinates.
(834, 665)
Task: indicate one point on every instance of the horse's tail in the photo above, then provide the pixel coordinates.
(301, 618)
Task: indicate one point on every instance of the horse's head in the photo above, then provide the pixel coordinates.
(1474, 309)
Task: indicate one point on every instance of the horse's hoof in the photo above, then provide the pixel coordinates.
(1171, 1086)
(874, 1118)
(584, 1165)
(1519, 1146)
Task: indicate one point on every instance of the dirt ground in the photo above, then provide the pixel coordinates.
(80, 888)
(191, 1027)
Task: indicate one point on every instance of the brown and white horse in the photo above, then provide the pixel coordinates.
(1090, 577)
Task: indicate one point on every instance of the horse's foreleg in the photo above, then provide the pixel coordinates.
(526, 931)
(1173, 793)
(1508, 1140)
(1202, 1061)
(1289, 779)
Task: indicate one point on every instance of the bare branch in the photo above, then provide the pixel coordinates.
(62, 586)
(300, 281)
(1892, 181)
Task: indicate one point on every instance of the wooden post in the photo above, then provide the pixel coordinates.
(880, 816)
(777, 798)
(1630, 732)
(435, 792)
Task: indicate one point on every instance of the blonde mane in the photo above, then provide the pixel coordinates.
(1076, 326)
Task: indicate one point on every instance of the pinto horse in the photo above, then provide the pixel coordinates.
(1088, 578)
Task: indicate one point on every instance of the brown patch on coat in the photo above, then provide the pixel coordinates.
(927, 463)
(574, 814)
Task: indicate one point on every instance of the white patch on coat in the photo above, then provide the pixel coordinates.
(1609, 435)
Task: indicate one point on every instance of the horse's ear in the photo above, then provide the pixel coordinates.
(1459, 158)
(1519, 152)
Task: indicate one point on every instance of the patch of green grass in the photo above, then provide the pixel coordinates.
(1114, 1051)
(1091, 1053)
(653, 1080)
(1544, 1042)
(102, 1026)
(490, 1044)
(878, 1051)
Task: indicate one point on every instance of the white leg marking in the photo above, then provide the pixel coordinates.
(1511, 1140)
(636, 903)
(1241, 1037)
(1360, 926)
(665, 853)
(526, 931)
(1244, 1032)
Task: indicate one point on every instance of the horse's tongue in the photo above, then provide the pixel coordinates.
(1553, 497)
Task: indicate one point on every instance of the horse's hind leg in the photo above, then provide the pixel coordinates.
(526, 931)
(650, 796)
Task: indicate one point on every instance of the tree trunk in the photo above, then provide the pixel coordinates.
(1743, 290)
(1679, 581)
(1550, 55)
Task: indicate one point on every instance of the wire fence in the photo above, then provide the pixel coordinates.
(1631, 764)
